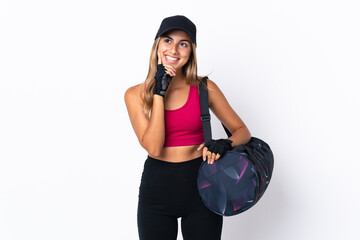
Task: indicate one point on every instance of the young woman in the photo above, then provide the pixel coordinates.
(165, 114)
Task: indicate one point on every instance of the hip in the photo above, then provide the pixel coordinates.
(163, 181)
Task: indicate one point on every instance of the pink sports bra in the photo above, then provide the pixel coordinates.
(183, 126)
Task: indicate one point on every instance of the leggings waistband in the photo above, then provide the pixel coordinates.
(194, 161)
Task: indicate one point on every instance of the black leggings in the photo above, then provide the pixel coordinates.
(169, 191)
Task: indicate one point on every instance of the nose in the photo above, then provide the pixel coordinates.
(173, 49)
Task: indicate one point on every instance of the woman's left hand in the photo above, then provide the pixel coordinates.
(214, 149)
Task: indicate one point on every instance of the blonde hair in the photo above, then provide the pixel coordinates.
(189, 69)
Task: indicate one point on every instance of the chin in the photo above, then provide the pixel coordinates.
(179, 68)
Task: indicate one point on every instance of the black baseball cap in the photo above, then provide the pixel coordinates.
(177, 22)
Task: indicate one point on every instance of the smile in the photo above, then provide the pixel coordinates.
(171, 59)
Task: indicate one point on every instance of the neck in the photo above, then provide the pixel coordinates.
(178, 80)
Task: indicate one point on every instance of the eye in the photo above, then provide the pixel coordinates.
(167, 40)
(184, 44)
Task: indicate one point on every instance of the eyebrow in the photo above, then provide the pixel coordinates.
(180, 40)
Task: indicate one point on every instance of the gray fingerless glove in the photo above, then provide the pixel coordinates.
(162, 80)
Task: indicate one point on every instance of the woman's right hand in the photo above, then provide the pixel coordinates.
(163, 76)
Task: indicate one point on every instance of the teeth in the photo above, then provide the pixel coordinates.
(171, 59)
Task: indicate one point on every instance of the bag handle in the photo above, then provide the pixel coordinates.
(205, 116)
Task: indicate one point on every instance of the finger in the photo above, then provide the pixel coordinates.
(212, 148)
(217, 156)
(162, 57)
(204, 153)
(170, 73)
(217, 149)
(201, 146)
(171, 69)
(159, 58)
(209, 157)
(212, 159)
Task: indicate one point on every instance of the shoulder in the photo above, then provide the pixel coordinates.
(210, 83)
(134, 92)
(212, 87)
(215, 95)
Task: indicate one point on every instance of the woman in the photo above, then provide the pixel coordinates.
(165, 114)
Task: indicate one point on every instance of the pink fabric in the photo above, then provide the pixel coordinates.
(183, 126)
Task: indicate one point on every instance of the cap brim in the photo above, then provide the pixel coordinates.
(174, 28)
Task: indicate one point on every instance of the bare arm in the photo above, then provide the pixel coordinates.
(150, 132)
(224, 112)
(154, 135)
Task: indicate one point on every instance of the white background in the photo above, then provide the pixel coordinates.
(70, 162)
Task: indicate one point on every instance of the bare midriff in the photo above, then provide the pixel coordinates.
(179, 153)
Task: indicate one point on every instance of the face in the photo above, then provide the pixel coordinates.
(175, 48)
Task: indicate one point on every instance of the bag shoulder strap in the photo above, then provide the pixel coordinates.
(205, 116)
(204, 107)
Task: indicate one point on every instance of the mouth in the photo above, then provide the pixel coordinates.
(171, 59)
